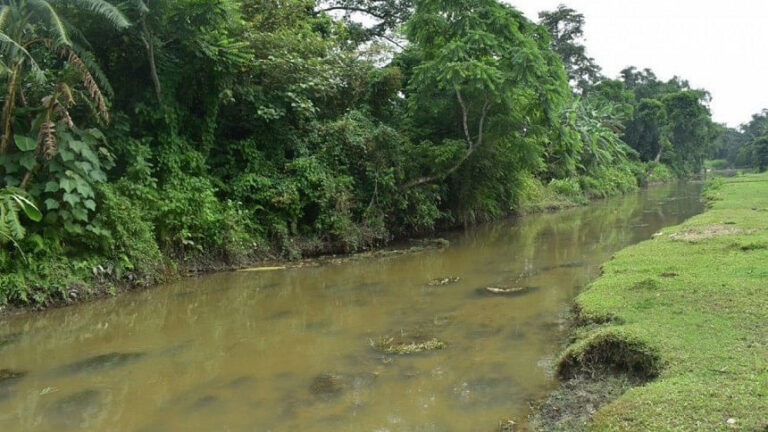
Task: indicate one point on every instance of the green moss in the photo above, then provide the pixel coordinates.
(700, 333)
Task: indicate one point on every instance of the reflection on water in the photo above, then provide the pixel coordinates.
(291, 350)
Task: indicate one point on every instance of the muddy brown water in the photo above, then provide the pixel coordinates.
(291, 350)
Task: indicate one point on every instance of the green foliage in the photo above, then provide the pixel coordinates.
(656, 172)
(568, 187)
(610, 181)
(717, 164)
(238, 130)
(14, 201)
(71, 176)
(126, 238)
(761, 153)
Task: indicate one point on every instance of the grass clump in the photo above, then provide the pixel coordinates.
(697, 341)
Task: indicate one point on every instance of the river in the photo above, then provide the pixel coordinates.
(291, 350)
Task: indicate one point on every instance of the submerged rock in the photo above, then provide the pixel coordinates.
(8, 376)
(100, 362)
(204, 402)
(326, 386)
(331, 386)
(507, 425)
(240, 382)
(71, 410)
(9, 339)
(486, 391)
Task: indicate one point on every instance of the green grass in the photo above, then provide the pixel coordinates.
(688, 310)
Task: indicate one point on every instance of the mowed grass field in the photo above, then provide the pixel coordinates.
(686, 315)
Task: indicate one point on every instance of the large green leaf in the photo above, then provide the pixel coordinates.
(24, 143)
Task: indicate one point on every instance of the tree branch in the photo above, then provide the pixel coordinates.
(464, 115)
(481, 126)
(472, 146)
(351, 9)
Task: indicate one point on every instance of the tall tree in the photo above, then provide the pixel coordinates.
(566, 26)
(691, 131)
(495, 67)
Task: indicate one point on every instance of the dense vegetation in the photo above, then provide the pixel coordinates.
(158, 135)
(746, 146)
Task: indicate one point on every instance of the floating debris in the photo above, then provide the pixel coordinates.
(263, 269)
(506, 291)
(443, 281)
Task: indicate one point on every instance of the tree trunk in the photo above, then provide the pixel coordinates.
(10, 102)
(146, 37)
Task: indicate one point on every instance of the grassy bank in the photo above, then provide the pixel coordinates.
(682, 317)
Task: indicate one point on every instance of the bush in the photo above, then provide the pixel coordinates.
(127, 236)
(656, 172)
(567, 187)
(534, 196)
(605, 182)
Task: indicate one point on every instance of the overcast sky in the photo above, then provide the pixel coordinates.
(721, 46)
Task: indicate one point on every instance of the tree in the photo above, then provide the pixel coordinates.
(647, 132)
(567, 29)
(494, 67)
(614, 92)
(691, 131)
(761, 153)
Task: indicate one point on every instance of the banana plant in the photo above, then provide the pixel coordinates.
(25, 24)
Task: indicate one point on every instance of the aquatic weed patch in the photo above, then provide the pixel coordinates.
(688, 318)
(406, 342)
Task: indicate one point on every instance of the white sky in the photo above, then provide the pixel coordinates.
(721, 46)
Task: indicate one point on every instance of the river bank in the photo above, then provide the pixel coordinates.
(60, 280)
(672, 336)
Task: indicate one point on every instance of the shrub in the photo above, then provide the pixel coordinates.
(605, 182)
(568, 187)
(656, 172)
(126, 236)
